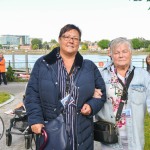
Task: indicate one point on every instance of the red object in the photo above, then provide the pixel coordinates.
(101, 64)
(45, 140)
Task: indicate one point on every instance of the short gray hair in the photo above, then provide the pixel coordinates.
(118, 41)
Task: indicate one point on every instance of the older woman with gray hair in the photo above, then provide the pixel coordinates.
(129, 87)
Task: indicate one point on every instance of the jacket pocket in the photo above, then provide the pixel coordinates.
(138, 93)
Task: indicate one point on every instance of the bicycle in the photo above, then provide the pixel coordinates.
(1, 127)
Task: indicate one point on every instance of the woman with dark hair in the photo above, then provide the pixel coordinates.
(148, 63)
(51, 82)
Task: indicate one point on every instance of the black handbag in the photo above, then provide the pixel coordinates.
(105, 132)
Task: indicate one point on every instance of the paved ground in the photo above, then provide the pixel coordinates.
(17, 90)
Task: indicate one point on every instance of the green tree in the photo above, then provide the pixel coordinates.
(1, 46)
(148, 49)
(103, 43)
(84, 46)
(143, 43)
(36, 43)
(53, 43)
(146, 43)
(136, 43)
(35, 47)
(45, 45)
(54, 46)
(10, 73)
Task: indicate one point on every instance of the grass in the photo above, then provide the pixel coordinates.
(147, 132)
(20, 80)
(4, 97)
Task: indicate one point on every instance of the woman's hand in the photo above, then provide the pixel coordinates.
(36, 128)
(97, 93)
(86, 109)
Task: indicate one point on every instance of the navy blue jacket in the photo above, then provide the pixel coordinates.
(42, 102)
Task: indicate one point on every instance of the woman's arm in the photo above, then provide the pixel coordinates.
(97, 102)
(32, 97)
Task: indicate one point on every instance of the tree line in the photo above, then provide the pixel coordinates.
(137, 43)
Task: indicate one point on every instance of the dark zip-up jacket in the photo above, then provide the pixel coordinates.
(42, 95)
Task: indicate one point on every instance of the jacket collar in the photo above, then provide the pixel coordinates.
(51, 58)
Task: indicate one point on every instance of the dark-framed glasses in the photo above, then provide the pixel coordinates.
(68, 38)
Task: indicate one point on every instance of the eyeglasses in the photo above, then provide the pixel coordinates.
(68, 38)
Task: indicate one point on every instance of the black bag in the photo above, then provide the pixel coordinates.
(57, 138)
(105, 132)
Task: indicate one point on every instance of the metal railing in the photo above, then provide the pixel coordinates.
(26, 67)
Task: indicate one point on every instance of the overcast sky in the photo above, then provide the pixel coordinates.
(98, 19)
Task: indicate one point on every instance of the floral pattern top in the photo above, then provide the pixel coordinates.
(114, 94)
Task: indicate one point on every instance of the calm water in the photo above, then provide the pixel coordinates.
(20, 60)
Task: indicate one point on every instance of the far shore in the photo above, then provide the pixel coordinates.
(83, 52)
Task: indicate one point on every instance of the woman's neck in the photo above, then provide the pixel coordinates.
(68, 61)
(122, 71)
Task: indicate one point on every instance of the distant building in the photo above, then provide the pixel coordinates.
(93, 46)
(13, 41)
(25, 47)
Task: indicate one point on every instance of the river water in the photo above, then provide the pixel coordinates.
(137, 60)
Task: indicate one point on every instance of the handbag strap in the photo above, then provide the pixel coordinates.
(124, 96)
